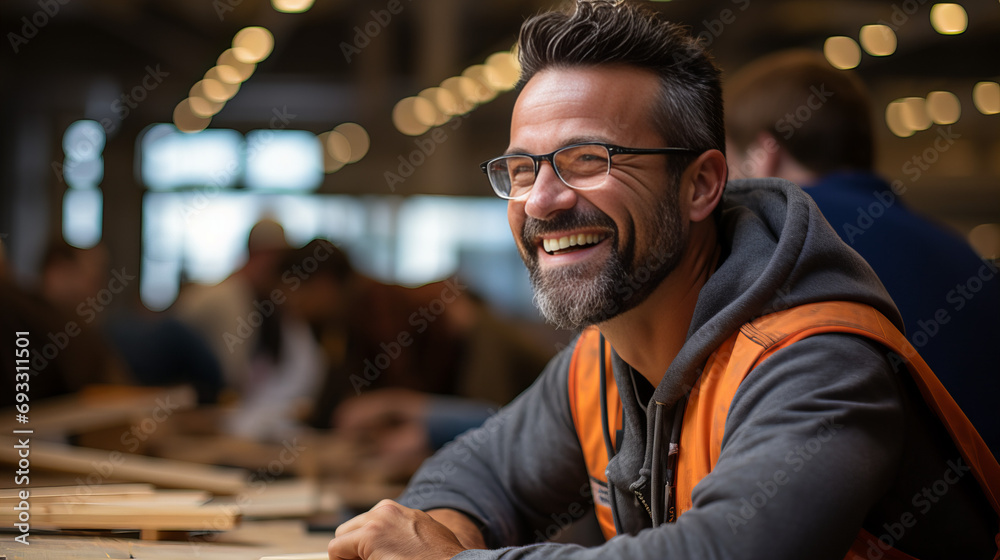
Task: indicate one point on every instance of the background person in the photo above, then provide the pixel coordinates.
(408, 368)
(929, 270)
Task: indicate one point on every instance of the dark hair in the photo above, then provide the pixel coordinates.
(603, 32)
(821, 115)
(323, 257)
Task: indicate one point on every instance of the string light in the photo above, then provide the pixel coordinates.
(457, 95)
(878, 40)
(292, 6)
(986, 96)
(842, 52)
(949, 19)
(943, 107)
(252, 44)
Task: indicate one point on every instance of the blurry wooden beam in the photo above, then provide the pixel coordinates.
(114, 465)
(99, 407)
(146, 517)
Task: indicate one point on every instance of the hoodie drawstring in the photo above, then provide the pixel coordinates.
(663, 480)
(663, 492)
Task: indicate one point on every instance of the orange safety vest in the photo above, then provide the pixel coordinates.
(704, 419)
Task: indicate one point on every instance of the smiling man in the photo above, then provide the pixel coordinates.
(738, 389)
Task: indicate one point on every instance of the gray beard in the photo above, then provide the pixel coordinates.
(574, 297)
(569, 302)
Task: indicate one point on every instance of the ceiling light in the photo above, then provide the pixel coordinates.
(943, 107)
(986, 96)
(949, 19)
(878, 40)
(842, 52)
(252, 44)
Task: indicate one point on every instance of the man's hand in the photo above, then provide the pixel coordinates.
(390, 531)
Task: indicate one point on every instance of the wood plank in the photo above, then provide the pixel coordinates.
(76, 490)
(303, 556)
(285, 498)
(157, 517)
(249, 540)
(100, 407)
(216, 449)
(162, 497)
(114, 465)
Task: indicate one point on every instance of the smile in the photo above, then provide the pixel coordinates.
(570, 243)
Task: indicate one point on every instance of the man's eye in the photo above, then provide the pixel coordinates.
(523, 169)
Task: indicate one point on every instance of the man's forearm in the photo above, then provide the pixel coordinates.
(460, 524)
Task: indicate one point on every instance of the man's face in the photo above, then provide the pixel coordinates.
(626, 235)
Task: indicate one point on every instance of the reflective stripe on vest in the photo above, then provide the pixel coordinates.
(708, 404)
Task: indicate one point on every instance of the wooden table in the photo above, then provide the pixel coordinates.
(250, 541)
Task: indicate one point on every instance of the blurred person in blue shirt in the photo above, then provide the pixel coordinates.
(792, 115)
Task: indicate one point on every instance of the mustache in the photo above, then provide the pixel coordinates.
(534, 228)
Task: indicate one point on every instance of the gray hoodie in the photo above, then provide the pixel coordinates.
(825, 437)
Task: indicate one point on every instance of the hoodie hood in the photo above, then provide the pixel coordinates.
(778, 252)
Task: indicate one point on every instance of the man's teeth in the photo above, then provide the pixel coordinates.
(553, 245)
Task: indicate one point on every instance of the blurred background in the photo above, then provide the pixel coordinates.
(364, 122)
(279, 203)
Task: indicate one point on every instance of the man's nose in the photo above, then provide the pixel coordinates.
(549, 195)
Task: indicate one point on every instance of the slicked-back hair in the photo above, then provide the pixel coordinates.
(604, 32)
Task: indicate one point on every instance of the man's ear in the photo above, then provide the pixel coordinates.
(707, 177)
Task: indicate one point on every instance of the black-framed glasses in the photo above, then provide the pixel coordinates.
(580, 166)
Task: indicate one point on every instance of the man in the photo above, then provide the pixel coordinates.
(820, 441)
(948, 297)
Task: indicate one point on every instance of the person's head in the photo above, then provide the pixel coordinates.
(792, 115)
(266, 246)
(598, 241)
(317, 277)
(687, 109)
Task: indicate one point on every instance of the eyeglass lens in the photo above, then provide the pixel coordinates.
(580, 167)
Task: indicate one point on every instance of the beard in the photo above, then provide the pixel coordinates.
(580, 295)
